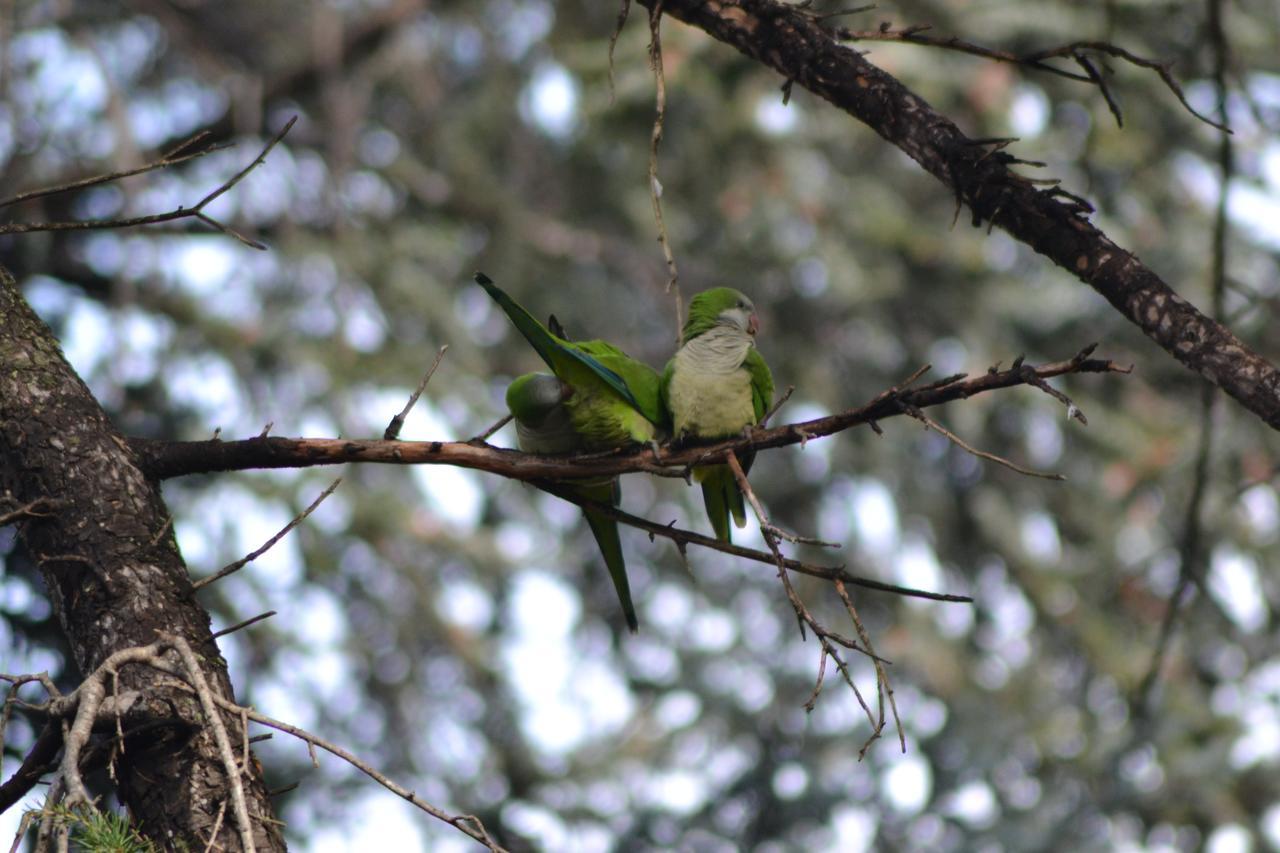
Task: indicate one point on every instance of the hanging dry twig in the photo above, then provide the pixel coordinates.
(655, 185)
(624, 8)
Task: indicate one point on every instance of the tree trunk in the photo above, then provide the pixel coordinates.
(115, 578)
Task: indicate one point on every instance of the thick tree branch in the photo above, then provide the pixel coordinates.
(792, 42)
(165, 459)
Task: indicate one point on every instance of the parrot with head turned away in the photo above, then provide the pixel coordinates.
(537, 405)
(715, 386)
(599, 399)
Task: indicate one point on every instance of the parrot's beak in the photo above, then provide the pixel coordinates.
(753, 324)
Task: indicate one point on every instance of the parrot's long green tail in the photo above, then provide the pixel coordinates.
(721, 498)
(605, 531)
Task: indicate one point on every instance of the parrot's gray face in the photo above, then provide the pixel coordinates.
(742, 316)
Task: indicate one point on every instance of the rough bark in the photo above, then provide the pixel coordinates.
(785, 38)
(115, 578)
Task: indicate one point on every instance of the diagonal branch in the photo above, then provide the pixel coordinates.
(788, 40)
(683, 538)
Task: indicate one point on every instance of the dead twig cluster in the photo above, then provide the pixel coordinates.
(97, 706)
(829, 641)
(1084, 53)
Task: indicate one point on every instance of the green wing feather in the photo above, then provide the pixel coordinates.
(642, 382)
(761, 382)
(565, 359)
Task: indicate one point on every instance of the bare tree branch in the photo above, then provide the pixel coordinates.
(1077, 51)
(162, 459)
(683, 538)
(196, 211)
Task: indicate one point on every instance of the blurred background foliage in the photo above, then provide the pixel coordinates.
(458, 630)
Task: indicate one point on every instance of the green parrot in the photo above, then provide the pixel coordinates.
(716, 385)
(616, 400)
(599, 399)
(537, 405)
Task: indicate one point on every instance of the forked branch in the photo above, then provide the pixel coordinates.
(196, 211)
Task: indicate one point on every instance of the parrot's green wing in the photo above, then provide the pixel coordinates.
(641, 380)
(567, 360)
(761, 382)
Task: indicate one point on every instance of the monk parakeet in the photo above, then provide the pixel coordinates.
(616, 400)
(537, 405)
(716, 385)
(599, 399)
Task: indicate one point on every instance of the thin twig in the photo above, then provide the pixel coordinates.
(217, 825)
(930, 423)
(38, 508)
(882, 677)
(683, 538)
(770, 537)
(468, 824)
(196, 211)
(1037, 60)
(240, 625)
(624, 9)
(170, 159)
(487, 434)
(392, 431)
(773, 410)
(253, 555)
